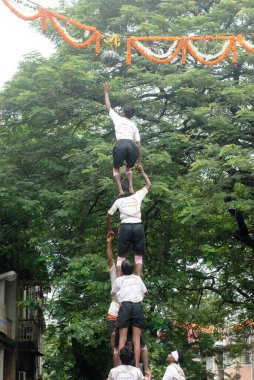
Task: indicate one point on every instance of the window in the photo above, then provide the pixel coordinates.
(22, 375)
(245, 358)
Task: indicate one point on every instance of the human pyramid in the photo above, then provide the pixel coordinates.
(125, 314)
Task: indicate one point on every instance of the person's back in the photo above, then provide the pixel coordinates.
(130, 207)
(131, 231)
(129, 288)
(126, 371)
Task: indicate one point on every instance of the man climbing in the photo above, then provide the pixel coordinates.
(128, 146)
(131, 231)
(130, 291)
(113, 314)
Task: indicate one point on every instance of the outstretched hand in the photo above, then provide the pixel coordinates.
(140, 168)
(107, 87)
(110, 236)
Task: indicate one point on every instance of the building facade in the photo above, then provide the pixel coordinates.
(21, 325)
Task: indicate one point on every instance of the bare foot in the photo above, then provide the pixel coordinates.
(121, 193)
(131, 190)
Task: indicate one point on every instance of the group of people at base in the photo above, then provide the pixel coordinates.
(125, 315)
(126, 371)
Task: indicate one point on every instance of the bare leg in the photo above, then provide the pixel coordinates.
(145, 358)
(117, 176)
(131, 190)
(136, 342)
(116, 358)
(138, 264)
(123, 337)
(130, 181)
(138, 269)
(120, 259)
(112, 340)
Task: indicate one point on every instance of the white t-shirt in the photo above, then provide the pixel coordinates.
(125, 372)
(174, 372)
(114, 306)
(124, 127)
(129, 207)
(129, 288)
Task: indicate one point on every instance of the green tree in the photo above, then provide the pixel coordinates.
(56, 182)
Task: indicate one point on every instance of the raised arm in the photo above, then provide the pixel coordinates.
(107, 91)
(110, 231)
(109, 251)
(138, 143)
(141, 170)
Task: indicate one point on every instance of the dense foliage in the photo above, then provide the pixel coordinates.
(56, 183)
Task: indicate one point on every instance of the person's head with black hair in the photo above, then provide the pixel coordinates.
(175, 357)
(126, 267)
(126, 356)
(128, 111)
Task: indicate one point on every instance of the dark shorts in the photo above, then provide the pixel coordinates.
(131, 314)
(129, 337)
(112, 326)
(125, 150)
(131, 237)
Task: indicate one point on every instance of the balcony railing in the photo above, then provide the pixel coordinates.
(28, 331)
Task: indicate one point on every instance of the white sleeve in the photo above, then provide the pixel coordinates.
(140, 194)
(115, 287)
(114, 116)
(143, 287)
(113, 208)
(136, 134)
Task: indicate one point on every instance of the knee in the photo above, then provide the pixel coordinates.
(119, 261)
(116, 172)
(138, 259)
(127, 170)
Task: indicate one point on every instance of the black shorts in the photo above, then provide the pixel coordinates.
(129, 337)
(125, 150)
(131, 237)
(131, 314)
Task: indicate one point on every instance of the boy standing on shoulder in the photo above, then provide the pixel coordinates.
(128, 146)
(131, 231)
(130, 291)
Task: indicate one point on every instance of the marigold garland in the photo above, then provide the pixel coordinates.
(185, 44)
(45, 14)
(180, 44)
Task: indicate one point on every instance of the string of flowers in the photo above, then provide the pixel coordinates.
(208, 59)
(45, 14)
(20, 15)
(179, 45)
(186, 45)
(96, 36)
(168, 53)
(146, 52)
(246, 45)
